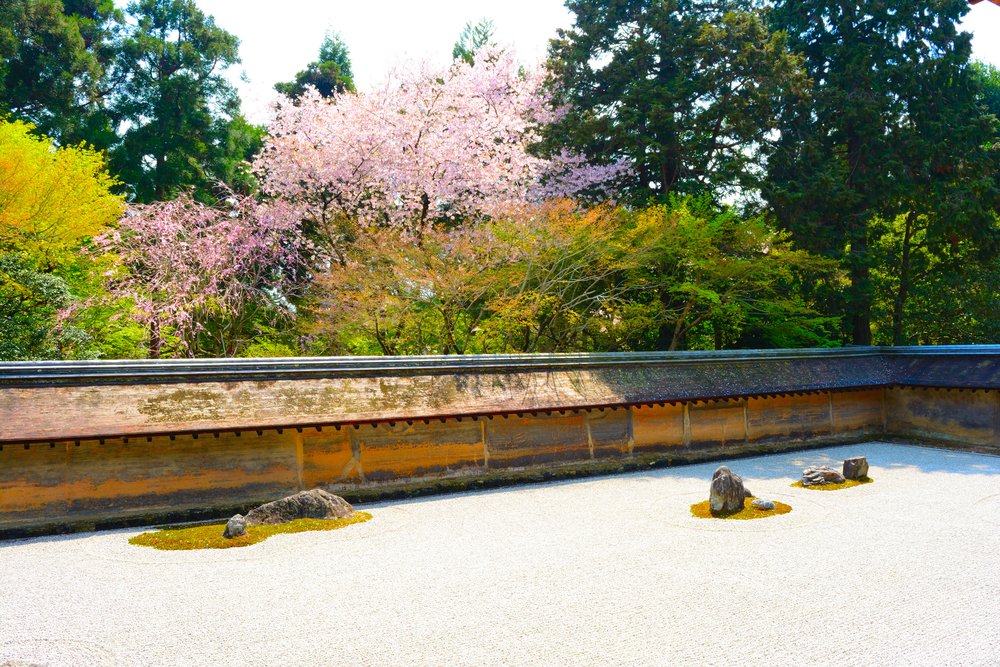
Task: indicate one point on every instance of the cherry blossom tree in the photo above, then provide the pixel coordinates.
(200, 276)
(429, 146)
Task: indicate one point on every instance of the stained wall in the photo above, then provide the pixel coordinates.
(79, 484)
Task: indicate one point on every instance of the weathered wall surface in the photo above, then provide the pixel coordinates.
(95, 399)
(106, 443)
(961, 416)
(84, 483)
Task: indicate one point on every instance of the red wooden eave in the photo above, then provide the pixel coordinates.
(976, 2)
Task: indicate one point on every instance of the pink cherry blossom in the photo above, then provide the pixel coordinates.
(429, 145)
(184, 265)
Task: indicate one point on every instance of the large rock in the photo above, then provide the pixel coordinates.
(314, 504)
(856, 468)
(821, 475)
(727, 492)
(235, 527)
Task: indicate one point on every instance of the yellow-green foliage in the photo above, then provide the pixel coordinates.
(51, 198)
(847, 484)
(702, 510)
(210, 536)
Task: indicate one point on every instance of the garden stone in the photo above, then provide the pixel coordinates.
(821, 475)
(762, 504)
(235, 527)
(314, 504)
(856, 468)
(727, 492)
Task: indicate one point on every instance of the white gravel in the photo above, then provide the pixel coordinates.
(608, 570)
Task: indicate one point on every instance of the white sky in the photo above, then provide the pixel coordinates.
(279, 37)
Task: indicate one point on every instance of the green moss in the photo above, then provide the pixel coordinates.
(210, 536)
(703, 511)
(847, 484)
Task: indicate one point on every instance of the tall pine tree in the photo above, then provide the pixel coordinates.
(54, 61)
(330, 74)
(685, 90)
(177, 109)
(894, 125)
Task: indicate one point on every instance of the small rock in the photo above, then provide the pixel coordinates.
(235, 527)
(856, 468)
(314, 504)
(762, 504)
(821, 475)
(727, 492)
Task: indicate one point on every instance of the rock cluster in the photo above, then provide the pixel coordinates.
(727, 492)
(856, 468)
(314, 504)
(821, 475)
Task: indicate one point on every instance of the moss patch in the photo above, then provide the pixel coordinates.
(847, 484)
(210, 536)
(703, 511)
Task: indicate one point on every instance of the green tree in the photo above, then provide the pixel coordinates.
(894, 125)
(177, 108)
(952, 286)
(718, 280)
(989, 82)
(52, 200)
(473, 37)
(686, 90)
(29, 301)
(239, 143)
(54, 60)
(558, 278)
(330, 74)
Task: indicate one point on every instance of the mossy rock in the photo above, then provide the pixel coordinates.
(702, 510)
(846, 484)
(209, 536)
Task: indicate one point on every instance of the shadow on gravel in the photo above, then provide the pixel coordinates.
(880, 455)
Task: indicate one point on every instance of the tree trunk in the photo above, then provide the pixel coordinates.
(899, 303)
(159, 193)
(670, 171)
(679, 331)
(155, 339)
(859, 303)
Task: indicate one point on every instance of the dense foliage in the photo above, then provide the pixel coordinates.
(679, 174)
(52, 200)
(894, 125)
(329, 75)
(687, 90)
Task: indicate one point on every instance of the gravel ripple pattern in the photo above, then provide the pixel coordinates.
(606, 571)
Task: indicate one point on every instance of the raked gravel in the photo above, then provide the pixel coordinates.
(609, 570)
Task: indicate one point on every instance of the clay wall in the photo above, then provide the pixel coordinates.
(961, 416)
(94, 444)
(92, 483)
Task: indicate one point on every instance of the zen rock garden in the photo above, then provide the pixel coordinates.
(315, 510)
(314, 504)
(728, 493)
(729, 497)
(825, 478)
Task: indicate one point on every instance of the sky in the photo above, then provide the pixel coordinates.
(280, 37)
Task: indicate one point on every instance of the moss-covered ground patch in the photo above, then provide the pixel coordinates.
(209, 536)
(847, 484)
(703, 511)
